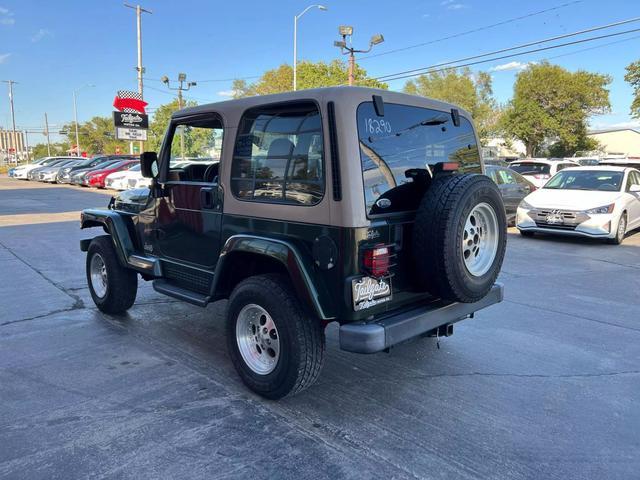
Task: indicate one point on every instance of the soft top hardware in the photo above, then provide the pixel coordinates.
(378, 104)
(455, 116)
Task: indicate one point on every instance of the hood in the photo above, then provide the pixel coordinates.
(570, 199)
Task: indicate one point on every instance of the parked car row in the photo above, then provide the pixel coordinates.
(87, 172)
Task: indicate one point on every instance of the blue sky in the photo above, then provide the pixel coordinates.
(51, 48)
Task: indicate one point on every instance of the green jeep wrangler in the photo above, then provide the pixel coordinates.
(352, 205)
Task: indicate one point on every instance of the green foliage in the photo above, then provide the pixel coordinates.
(560, 149)
(633, 78)
(96, 136)
(40, 150)
(473, 92)
(310, 75)
(551, 104)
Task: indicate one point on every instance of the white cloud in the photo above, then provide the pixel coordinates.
(227, 93)
(511, 66)
(6, 17)
(40, 34)
(452, 5)
(4, 57)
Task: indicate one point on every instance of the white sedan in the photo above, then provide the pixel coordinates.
(120, 180)
(598, 202)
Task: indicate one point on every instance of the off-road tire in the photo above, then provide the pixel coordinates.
(301, 337)
(620, 234)
(122, 283)
(438, 235)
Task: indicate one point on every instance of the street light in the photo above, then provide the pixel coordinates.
(182, 79)
(75, 114)
(347, 31)
(295, 42)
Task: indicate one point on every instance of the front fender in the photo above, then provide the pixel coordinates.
(117, 225)
(305, 281)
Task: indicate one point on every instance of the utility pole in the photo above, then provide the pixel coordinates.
(347, 31)
(46, 132)
(140, 69)
(182, 80)
(13, 119)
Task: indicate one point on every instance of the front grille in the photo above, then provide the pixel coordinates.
(186, 277)
(554, 226)
(565, 214)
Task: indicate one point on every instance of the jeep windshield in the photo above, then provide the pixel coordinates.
(399, 150)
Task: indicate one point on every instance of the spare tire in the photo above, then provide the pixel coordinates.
(459, 237)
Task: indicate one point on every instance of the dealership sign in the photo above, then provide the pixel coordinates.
(131, 134)
(130, 119)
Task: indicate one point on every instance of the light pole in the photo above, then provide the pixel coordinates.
(182, 80)
(13, 119)
(295, 42)
(75, 115)
(140, 69)
(347, 31)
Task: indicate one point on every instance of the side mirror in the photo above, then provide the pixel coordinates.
(635, 188)
(149, 164)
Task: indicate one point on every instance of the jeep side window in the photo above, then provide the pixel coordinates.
(278, 156)
(196, 148)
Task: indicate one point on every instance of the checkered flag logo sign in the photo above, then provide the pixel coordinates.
(129, 102)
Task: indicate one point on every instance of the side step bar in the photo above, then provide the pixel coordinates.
(166, 288)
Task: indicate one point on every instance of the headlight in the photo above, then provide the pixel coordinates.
(525, 205)
(601, 210)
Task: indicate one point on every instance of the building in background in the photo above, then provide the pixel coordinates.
(618, 141)
(12, 150)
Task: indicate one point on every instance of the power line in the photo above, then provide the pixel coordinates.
(475, 30)
(400, 75)
(517, 47)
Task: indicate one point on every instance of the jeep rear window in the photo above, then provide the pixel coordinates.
(278, 155)
(404, 142)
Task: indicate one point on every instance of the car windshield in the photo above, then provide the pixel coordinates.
(400, 149)
(531, 168)
(602, 180)
(106, 164)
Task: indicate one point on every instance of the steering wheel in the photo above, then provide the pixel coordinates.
(211, 172)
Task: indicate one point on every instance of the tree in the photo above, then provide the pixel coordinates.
(310, 75)
(633, 78)
(552, 105)
(470, 91)
(96, 136)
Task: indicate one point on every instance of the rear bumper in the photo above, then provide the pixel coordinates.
(388, 331)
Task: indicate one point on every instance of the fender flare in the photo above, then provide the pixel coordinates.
(304, 279)
(119, 226)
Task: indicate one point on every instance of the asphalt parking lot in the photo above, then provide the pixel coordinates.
(544, 385)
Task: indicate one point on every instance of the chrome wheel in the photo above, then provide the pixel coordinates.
(258, 339)
(480, 239)
(98, 275)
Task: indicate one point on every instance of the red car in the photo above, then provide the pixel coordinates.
(97, 178)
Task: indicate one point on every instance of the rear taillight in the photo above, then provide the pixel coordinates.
(542, 176)
(376, 261)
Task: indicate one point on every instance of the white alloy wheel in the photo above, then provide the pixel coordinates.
(480, 239)
(258, 339)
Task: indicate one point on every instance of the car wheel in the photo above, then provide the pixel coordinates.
(621, 230)
(526, 233)
(112, 286)
(276, 347)
(460, 237)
